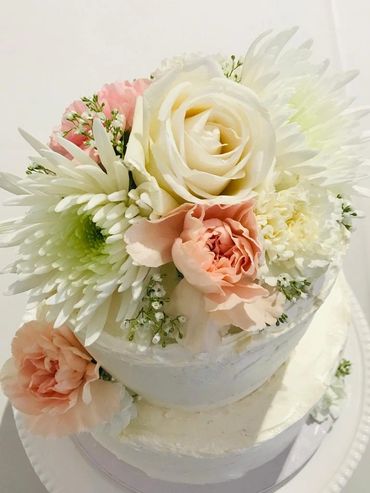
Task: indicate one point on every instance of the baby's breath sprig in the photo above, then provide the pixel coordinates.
(348, 213)
(93, 103)
(279, 321)
(293, 290)
(344, 369)
(232, 68)
(153, 325)
(282, 319)
(115, 125)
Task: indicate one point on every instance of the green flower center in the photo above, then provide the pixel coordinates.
(89, 234)
(81, 241)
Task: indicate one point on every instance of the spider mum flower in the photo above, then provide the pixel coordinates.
(72, 254)
(318, 133)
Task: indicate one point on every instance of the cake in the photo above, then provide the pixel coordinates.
(182, 248)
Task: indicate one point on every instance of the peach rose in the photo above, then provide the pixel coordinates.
(216, 248)
(120, 96)
(54, 381)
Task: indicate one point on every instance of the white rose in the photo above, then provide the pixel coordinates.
(199, 136)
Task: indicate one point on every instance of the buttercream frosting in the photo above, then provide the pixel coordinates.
(176, 378)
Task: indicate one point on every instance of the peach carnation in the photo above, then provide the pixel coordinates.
(54, 381)
(216, 248)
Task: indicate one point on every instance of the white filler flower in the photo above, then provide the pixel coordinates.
(72, 255)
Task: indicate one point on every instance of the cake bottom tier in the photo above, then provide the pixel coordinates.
(224, 443)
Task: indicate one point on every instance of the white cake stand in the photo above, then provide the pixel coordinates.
(81, 465)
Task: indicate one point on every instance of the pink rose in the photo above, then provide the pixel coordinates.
(54, 381)
(216, 248)
(119, 96)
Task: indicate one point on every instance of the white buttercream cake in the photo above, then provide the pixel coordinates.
(225, 442)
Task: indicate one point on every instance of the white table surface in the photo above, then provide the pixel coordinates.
(51, 52)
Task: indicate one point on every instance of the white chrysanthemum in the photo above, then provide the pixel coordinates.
(72, 255)
(318, 133)
(302, 230)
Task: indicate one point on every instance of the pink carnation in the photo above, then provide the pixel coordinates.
(119, 96)
(54, 381)
(67, 130)
(216, 248)
(122, 96)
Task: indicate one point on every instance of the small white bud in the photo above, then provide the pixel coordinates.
(156, 338)
(159, 291)
(119, 121)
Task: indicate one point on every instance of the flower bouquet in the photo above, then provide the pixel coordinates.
(205, 200)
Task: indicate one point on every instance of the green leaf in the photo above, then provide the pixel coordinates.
(104, 375)
(38, 168)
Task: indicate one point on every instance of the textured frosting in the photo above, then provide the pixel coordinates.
(176, 378)
(224, 443)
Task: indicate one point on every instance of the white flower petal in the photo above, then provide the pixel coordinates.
(78, 154)
(103, 144)
(12, 184)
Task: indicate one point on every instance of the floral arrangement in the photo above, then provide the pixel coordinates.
(201, 201)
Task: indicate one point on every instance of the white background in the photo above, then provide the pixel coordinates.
(52, 52)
